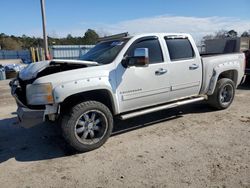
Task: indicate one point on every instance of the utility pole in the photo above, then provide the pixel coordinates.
(45, 38)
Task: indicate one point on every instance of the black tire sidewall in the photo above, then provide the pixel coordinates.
(68, 125)
(221, 84)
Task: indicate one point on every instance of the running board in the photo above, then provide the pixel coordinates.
(163, 107)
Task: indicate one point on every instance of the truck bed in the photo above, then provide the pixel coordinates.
(212, 63)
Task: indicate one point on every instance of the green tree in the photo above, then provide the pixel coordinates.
(25, 42)
(10, 44)
(245, 34)
(2, 35)
(90, 37)
(232, 34)
(221, 34)
(69, 36)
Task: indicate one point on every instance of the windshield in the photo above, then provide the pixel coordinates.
(105, 52)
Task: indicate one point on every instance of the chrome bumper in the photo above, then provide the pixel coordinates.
(27, 117)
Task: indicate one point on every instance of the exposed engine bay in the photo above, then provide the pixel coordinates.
(36, 70)
(56, 67)
(43, 68)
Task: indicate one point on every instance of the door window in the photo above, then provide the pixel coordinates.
(179, 48)
(154, 48)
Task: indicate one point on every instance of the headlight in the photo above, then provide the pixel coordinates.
(39, 94)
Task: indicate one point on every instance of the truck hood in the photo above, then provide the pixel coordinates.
(76, 75)
(32, 70)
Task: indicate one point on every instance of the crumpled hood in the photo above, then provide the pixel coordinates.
(33, 69)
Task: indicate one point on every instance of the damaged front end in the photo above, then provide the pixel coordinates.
(30, 115)
(35, 101)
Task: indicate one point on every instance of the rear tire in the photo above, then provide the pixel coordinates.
(87, 126)
(223, 94)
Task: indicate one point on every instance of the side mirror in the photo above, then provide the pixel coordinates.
(140, 58)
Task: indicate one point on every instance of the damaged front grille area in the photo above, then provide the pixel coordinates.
(36, 71)
(21, 94)
(21, 91)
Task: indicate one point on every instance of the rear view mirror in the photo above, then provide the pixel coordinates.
(141, 52)
(140, 58)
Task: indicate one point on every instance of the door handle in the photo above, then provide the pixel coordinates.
(193, 67)
(161, 71)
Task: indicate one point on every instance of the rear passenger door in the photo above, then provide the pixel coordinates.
(185, 67)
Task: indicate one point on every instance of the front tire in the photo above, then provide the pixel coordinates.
(87, 126)
(223, 94)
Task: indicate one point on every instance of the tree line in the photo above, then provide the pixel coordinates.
(11, 42)
(223, 34)
(90, 37)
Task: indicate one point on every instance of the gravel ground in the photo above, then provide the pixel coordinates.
(190, 146)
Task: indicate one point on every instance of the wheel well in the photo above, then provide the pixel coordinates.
(101, 95)
(231, 74)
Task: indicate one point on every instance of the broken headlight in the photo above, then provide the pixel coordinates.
(39, 94)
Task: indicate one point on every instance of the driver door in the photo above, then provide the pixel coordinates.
(139, 87)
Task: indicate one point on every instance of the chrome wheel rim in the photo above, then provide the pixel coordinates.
(226, 94)
(91, 127)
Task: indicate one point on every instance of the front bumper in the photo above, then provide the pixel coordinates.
(27, 117)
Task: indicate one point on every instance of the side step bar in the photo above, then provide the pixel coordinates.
(158, 108)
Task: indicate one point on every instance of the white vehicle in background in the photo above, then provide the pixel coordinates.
(123, 76)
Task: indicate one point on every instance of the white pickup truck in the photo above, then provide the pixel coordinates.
(123, 76)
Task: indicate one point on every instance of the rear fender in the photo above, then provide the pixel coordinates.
(219, 70)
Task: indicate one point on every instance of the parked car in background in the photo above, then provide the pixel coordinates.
(11, 68)
(123, 76)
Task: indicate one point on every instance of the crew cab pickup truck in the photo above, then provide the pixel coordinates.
(123, 76)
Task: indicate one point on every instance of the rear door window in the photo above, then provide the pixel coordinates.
(179, 48)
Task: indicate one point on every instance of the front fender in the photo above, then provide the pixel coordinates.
(64, 90)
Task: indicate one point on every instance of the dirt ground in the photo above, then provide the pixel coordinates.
(190, 146)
